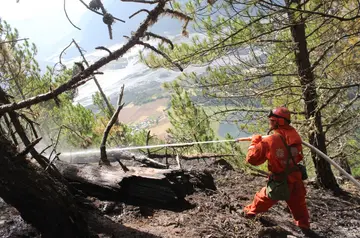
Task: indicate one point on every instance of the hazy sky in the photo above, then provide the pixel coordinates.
(43, 21)
(45, 24)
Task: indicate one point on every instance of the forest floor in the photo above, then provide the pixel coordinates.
(217, 213)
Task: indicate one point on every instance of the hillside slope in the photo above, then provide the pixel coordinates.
(217, 213)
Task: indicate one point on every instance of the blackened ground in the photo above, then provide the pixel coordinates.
(218, 213)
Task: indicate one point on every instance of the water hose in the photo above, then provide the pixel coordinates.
(317, 151)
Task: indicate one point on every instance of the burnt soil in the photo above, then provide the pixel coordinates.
(218, 213)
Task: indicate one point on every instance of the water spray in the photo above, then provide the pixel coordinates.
(97, 152)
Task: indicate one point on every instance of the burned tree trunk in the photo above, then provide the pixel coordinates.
(155, 188)
(42, 201)
(325, 176)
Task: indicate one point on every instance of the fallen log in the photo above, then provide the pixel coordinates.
(156, 188)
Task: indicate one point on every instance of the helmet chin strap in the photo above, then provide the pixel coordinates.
(270, 130)
(273, 128)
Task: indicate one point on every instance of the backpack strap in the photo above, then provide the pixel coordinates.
(284, 175)
(295, 168)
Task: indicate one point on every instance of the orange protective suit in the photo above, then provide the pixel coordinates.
(272, 148)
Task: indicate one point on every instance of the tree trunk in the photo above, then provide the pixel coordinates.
(155, 188)
(42, 201)
(325, 176)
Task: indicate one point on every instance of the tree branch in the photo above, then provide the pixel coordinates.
(28, 147)
(114, 118)
(312, 12)
(163, 39)
(103, 48)
(62, 52)
(146, 45)
(329, 100)
(68, 16)
(12, 41)
(99, 13)
(109, 106)
(150, 19)
(31, 123)
(141, 10)
(147, 142)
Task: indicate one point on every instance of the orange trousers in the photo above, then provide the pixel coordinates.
(296, 203)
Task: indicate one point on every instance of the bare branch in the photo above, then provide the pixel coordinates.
(114, 118)
(68, 16)
(147, 142)
(141, 10)
(10, 130)
(329, 100)
(46, 148)
(180, 16)
(124, 168)
(28, 148)
(83, 76)
(55, 145)
(31, 123)
(176, 14)
(146, 45)
(103, 48)
(101, 73)
(12, 41)
(163, 39)
(110, 108)
(62, 52)
(312, 12)
(341, 87)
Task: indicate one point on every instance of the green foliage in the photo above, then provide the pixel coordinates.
(253, 65)
(20, 73)
(101, 104)
(189, 123)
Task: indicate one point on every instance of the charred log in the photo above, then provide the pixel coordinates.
(156, 188)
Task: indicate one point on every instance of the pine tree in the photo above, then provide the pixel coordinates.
(265, 54)
(189, 122)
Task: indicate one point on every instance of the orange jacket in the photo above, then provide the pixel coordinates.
(274, 151)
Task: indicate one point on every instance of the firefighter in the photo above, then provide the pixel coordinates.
(283, 151)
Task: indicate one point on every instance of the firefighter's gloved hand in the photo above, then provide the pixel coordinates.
(255, 139)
